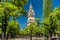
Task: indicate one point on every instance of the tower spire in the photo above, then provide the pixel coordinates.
(30, 6)
(31, 17)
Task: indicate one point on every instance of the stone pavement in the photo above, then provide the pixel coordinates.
(33, 38)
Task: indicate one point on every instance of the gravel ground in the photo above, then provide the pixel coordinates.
(19, 39)
(34, 38)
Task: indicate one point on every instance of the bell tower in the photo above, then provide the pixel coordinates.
(31, 16)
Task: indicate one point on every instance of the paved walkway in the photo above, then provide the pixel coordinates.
(20, 39)
(34, 38)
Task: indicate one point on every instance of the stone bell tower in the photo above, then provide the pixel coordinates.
(31, 16)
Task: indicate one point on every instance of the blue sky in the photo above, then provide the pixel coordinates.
(37, 6)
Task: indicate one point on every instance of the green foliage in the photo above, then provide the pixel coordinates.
(13, 28)
(52, 22)
(8, 8)
(57, 13)
(31, 29)
(26, 31)
(37, 30)
(58, 30)
(0, 31)
(20, 4)
(12, 8)
(0, 24)
(38, 22)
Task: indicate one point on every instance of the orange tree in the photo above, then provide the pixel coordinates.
(12, 8)
(13, 28)
(52, 22)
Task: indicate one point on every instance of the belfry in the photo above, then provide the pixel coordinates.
(31, 16)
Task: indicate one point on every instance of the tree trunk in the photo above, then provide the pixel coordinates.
(4, 25)
(3, 38)
(7, 37)
(31, 35)
(50, 36)
(3, 33)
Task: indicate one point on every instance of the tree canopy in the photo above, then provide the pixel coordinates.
(52, 22)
